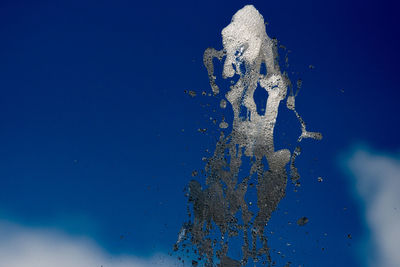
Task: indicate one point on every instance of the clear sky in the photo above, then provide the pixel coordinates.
(98, 138)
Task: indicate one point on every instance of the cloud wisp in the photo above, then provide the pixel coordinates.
(22, 246)
(377, 182)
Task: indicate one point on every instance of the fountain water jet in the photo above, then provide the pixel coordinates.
(246, 46)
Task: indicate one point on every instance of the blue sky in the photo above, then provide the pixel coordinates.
(92, 108)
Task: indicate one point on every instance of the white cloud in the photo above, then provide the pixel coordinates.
(377, 182)
(28, 247)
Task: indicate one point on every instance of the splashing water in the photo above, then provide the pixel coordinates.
(220, 212)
